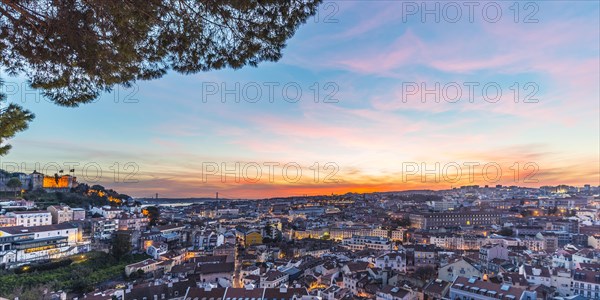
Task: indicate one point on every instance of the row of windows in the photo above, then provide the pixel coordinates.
(465, 216)
(589, 286)
(589, 294)
(58, 232)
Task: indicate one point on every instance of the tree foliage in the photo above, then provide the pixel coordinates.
(505, 231)
(13, 119)
(14, 183)
(425, 273)
(153, 214)
(403, 222)
(79, 196)
(95, 271)
(73, 50)
(120, 245)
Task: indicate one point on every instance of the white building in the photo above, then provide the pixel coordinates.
(103, 228)
(60, 214)
(393, 260)
(562, 259)
(31, 218)
(586, 283)
(460, 267)
(561, 280)
(395, 293)
(475, 289)
(19, 244)
(157, 249)
(273, 278)
(443, 205)
(357, 243)
(536, 276)
(106, 211)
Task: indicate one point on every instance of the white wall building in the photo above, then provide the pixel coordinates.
(356, 243)
(393, 260)
(31, 218)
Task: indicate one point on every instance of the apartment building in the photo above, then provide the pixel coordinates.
(475, 289)
(20, 244)
(454, 219)
(361, 242)
(103, 228)
(586, 283)
(273, 278)
(60, 213)
(31, 218)
(393, 260)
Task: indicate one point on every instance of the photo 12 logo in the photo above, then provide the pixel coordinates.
(453, 172)
(254, 172)
(453, 92)
(23, 92)
(86, 172)
(327, 13)
(470, 11)
(254, 92)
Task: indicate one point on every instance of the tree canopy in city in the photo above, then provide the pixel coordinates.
(13, 119)
(73, 50)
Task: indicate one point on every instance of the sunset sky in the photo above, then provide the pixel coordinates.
(369, 56)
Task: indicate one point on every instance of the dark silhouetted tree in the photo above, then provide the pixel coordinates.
(15, 184)
(13, 119)
(120, 245)
(74, 50)
(425, 273)
(505, 231)
(153, 214)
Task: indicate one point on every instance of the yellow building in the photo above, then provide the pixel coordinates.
(253, 238)
(248, 236)
(52, 183)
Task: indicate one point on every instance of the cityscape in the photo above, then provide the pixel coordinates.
(299, 150)
(517, 242)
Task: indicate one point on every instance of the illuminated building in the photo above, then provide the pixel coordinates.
(7, 221)
(398, 234)
(52, 183)
(132, 222)
(249, 237)
(19, 244)
(425, 254)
